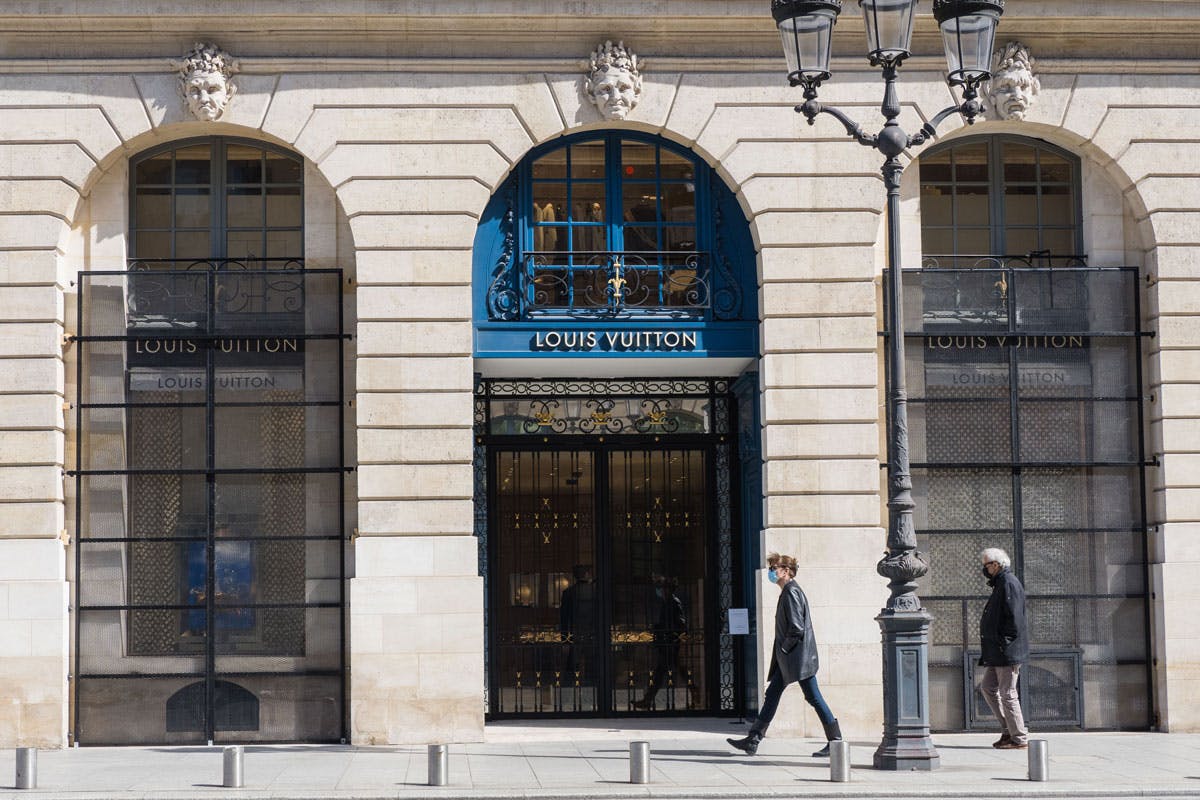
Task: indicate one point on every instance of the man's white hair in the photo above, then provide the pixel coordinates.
(997, 555)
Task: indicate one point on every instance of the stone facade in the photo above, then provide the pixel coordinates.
(404, 142)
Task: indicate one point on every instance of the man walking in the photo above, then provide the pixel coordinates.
(793, 658)
(1004, 639)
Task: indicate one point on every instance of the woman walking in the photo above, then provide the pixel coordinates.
(793, 658)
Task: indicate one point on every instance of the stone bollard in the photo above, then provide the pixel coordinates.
(639, 762)
(1039, 760)
(231, 762)
(439, 764)
(839, 761)
(26, 768)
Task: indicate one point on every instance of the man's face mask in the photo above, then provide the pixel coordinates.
(985, 572)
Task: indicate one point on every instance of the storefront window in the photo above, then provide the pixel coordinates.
(210, 568)
(1025, 414)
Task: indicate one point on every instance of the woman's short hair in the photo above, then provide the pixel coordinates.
(997, 555)
(776, 560)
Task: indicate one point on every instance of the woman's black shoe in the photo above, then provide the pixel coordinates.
(748, 745)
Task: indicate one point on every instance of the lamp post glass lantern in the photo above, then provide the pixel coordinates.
(889, 29)
(968, 29)
(969, 34)
(806, 27)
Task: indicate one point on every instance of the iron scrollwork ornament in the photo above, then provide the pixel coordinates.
(601, 419)
(543, 415)
(503, 297)
(656, 418)
(727, 299)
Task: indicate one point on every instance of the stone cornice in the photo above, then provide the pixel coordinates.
(537, 29)
(662, 65)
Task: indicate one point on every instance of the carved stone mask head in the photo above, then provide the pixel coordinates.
(1013, 85)
(614, 83)
(205, 81)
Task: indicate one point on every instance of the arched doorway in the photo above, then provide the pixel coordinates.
(609, 497)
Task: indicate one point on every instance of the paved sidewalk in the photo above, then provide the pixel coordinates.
(590, 760)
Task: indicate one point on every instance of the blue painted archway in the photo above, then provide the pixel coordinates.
(614, 244)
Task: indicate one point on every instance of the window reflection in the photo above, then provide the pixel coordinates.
(998, 196)
(178, 195)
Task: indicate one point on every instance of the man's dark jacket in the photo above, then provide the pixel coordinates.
(1002, 630)
(794, 655)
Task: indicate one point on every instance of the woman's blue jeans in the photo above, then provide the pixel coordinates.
(812, 693)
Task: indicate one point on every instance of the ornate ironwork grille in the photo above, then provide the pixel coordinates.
(209, 512)
(1025, 420)
(604, 511)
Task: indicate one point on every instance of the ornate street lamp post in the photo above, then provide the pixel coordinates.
(968, 31)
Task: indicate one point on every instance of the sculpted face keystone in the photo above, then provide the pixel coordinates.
(1013, 86)
(206, 94)
(614, 82)
(205, 81)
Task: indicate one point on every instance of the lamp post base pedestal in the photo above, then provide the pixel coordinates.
(900, 756)
(906, 744)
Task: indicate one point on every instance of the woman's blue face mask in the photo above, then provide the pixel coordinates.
(772, 575)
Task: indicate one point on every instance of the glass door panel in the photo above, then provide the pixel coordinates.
(658, 501)
(546, 601)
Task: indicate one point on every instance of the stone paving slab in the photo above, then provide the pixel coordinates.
(584, 760)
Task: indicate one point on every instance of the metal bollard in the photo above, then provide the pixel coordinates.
(1039, 760)
(639, 762)
(439, 764)
(839, 761)
(26, 767)
(231, 759)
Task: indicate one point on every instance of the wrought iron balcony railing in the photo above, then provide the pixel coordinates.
(1033, 292)
(195, 293)
(676, 284)
(608, 283)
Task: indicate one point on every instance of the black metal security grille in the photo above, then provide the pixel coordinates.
(1025, 420)
(605, 515)
(209, 514)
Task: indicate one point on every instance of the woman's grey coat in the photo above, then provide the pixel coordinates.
(795, 652)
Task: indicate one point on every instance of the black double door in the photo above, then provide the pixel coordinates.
(600, 586)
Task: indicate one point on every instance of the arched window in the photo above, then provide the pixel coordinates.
(1025, 407)
(217, 199)
(999, 195)
(210, 462)
(614, 225)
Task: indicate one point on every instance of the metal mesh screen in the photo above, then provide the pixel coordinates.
(1025, 415)
(210, 570)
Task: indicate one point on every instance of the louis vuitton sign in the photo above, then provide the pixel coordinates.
(584, 341)
(227, 352)
(165, 379)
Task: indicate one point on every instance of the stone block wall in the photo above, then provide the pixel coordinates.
(34, 209)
